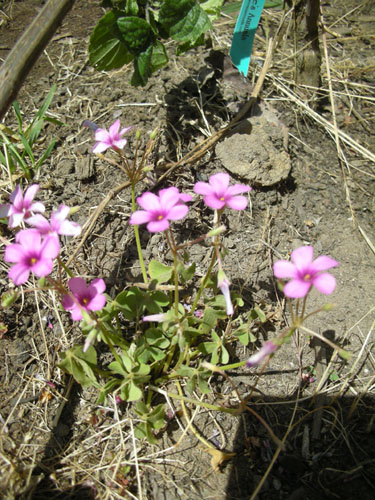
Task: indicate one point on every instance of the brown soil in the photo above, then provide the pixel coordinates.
(302, 195)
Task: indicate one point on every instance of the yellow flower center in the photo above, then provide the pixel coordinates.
(160, 217)
(85, 301)
(32, 260)
(307, 277)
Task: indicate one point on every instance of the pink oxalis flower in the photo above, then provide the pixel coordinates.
(304, 272)
(111, 139)
(83, 296)
(257, 358)
(218, 194)
(57, 225)
(21, 205)
(159, 209)
(31, 253)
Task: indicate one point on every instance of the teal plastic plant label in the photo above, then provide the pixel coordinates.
(244, 32)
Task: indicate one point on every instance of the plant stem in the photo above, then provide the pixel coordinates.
(137, 239)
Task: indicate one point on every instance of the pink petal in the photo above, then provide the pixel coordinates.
(125, 129)
(37, 207)
(237, 203)
(15, 219)
(177, 212)
(302, 256)
(284, 269)
(219, 182)
(67, 302)
(14, 253)
(212, 201)
(323, 263)
(19, 274)
(149, 201)
(76, 313)
(238, 189)
(168, 198)
(69, 228)
(157, 226)
(61, 214)
(140, 217)
(325, 283)
(50, 247)
(29, 239)
(30, 194)
(77, 286)
(42, 267)
(16, 197)
(98, 284)
(202, 188)
(40, 222)
(120, 143)
(185, 197)
(114, 128)
(296, 289)
(99, 147)
(97, 302)
(101, 135)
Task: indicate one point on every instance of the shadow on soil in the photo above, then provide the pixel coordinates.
(338, 464)
(55, 449)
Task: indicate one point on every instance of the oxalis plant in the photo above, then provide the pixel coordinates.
(135, 31)
(153, 336)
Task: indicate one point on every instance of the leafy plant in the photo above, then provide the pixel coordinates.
(16, 148)
(133, 30)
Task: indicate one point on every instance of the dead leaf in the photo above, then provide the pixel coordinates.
(218, 458)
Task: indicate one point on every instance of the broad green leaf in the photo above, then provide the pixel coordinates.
(154, 336)
(155, 301)
(209, 320)
(107, 48)
(160, 272)
(184, 20)
(159, 56)
(136, 33)
(130, 302)
(187, 273)
(135, 392)
(79, 364)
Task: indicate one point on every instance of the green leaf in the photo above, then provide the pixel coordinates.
(107, 48)
(154, 336)
(160, 272)
(159, 56)
(136, 33)
(45, 155)
(212, 8)
(155, 301)
(209, 320)
(33, 130)
(80, 364)
(184, 20)
(187, 273)
(17, 112)
(257, 313)
(135, 392)
(8, 298)
(130, 302)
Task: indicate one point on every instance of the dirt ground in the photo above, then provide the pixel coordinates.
(308, 188)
